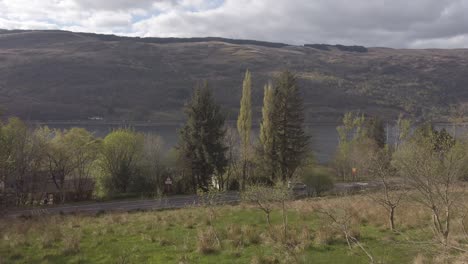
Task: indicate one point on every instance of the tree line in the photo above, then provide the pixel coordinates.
(75, 165)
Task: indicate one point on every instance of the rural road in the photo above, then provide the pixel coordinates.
(155, 204)
(148, 204)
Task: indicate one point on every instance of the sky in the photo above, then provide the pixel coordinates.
(383, 23)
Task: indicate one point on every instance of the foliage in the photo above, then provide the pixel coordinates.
(283, 141)
(153, 167)
(359, 139)
(22, 156)
(267, 157)
(232, 176)
(119, 160)
(70, 156)
(318, 180)
(244, 123)
(292, 142)
(201, 147)
(433, 164)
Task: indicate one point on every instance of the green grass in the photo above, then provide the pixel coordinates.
(172, 237)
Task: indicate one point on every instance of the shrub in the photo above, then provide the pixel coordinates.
(207, 242)
(261, 259)
(234, 234)
(71, 242)
(318, 180)
(49, 237)
(325, 235)
(420, 259)
(251, 235)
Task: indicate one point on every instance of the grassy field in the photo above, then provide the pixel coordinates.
(224, 234)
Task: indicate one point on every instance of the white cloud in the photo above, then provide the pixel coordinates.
(394, 23)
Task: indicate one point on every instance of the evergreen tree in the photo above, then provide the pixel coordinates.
(201, 147)
(291, 141)
(267, 150)
(375, 130)
(244, 123)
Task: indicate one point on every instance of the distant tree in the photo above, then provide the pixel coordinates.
(22, 157)
(60, 163)
(244, 124)
(267, 150)
(318, 180)
(403, 127)
(153, 165)
(348, 132)
(359, 139)
(119, 160)
(375, 130)
(231, 177)
(291, 140)
(84, 150)
(201, 145)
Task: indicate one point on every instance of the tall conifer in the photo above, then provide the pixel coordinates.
(291, 139)
(201, 147)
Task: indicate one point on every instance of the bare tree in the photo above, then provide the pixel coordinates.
(266, 198)
(391, 194)
(434, 172)
(153, 159)
(340, 219)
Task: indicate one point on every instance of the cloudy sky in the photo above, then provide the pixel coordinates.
(391, 23)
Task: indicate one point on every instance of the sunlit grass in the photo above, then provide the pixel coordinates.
(237, 234)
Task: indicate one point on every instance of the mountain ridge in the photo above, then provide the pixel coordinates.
(65, 75)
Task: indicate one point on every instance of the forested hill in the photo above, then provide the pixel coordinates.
(46, 75)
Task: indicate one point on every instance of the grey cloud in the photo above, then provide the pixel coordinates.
(392, 23)
(114, 4)
(397, 23)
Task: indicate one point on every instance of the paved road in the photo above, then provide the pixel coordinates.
(164, 203)
(149, 204)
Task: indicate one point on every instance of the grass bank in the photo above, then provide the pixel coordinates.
(223, 234)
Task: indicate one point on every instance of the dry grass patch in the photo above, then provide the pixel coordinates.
(49, 236)
(71, 242)
(207, 242)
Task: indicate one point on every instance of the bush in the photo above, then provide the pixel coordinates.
(325, 235)
(318, 180)
(207, 242)
(49, 237)
(71, 242)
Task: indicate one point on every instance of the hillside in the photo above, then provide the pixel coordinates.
(63, 75)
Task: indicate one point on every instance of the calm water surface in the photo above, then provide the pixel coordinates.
(324, 137)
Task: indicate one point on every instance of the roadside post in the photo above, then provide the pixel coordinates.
(354, 171)
(168, 185)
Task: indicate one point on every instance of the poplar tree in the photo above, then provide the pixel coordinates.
(244, 123)
(267, 151)
(201, 148)
(284, 143)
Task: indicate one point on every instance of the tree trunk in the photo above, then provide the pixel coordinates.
(244, 174)
(392, 218)
(285, 220)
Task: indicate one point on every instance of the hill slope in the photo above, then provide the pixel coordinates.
(65, 75)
